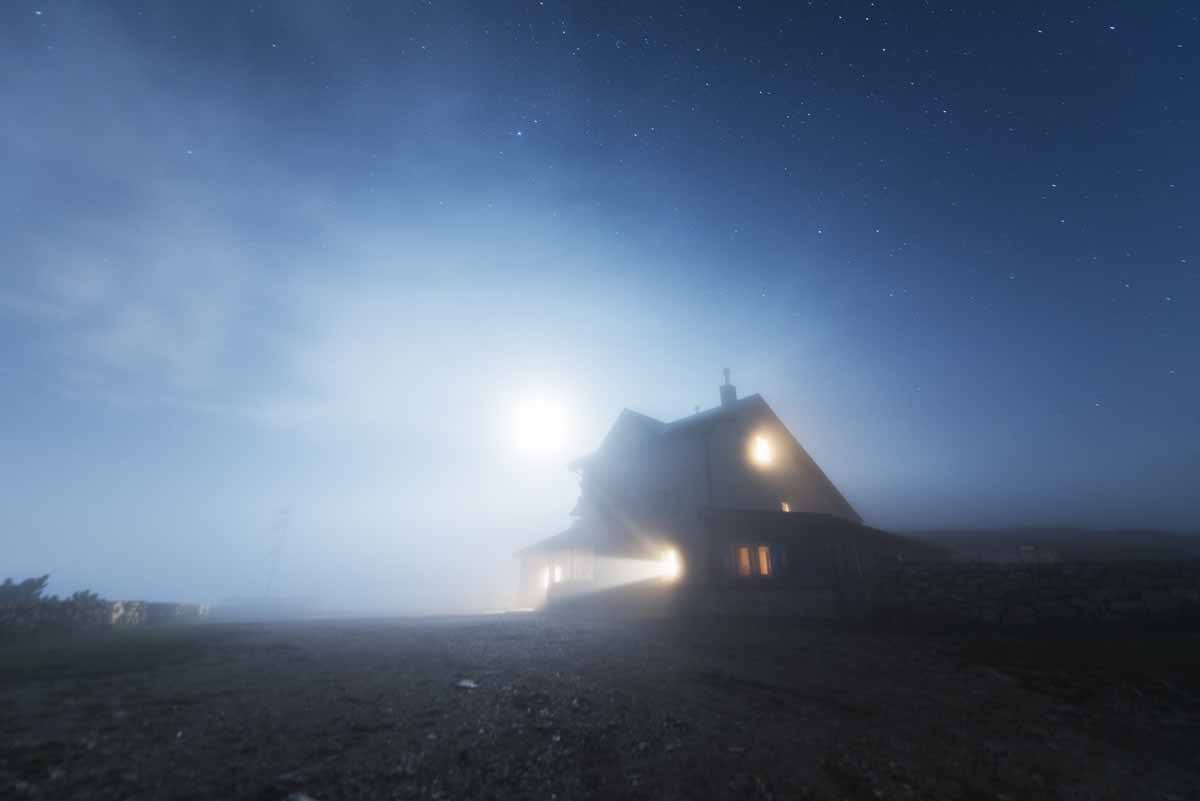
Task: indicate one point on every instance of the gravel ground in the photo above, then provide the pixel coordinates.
(514, 707)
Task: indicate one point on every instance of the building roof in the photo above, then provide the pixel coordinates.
(763, 521)
(693, 424)
(697, 423)
(637, 427)
(752, 524)
(579, 535)
(607, 538)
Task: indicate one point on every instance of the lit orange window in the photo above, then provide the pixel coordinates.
(743, 561)
(764, 560)
(784, 506)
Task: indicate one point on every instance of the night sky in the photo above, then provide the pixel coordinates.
(272, 276)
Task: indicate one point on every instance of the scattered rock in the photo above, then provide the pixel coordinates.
(291, 778)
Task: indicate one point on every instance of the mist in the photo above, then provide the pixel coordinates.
(268, 303)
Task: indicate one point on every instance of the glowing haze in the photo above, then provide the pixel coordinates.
(539, 426)
(318, 299)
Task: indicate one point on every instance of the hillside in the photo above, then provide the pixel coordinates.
(1062, 544)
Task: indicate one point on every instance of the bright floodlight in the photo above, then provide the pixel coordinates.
(760, 451)
(668, 564)
(539, 426)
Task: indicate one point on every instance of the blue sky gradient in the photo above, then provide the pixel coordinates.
(274, 276)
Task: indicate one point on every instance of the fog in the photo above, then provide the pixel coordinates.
(265, 325)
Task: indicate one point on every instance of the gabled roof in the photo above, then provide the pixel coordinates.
(613, 539)
(693, 424)
(699, 422)
(644, 420)
(607, 539)
(748, 525)
(579, 535)
(758, 521)
(632, 426)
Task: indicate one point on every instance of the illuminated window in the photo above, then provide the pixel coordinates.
(743, 561)
(753, 560)
(785, 506)
(760, 451)
(764, 560)
(557, 573)
(545, 578)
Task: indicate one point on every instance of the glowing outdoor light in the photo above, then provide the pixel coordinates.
(668, 564)
(760, 451)
(539, 426)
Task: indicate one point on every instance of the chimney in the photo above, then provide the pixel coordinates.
(728, 392)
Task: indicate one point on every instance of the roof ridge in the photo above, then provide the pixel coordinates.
(714, 412)
(646, 417)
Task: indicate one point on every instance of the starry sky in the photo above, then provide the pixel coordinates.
(272, 276)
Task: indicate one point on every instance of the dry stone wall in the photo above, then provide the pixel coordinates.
(21, 618)
(25, 617)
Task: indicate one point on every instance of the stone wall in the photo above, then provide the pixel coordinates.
(21, 618)
(49, 615)
(140, 613)
(1036, 594)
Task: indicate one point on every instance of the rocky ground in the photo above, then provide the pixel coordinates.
(524, 707)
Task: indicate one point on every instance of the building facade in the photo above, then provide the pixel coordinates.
(726, 496)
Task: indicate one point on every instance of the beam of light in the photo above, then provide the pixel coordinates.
(611, 572)
(760, 451)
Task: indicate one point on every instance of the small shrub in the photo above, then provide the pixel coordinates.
(26, 610)
(27, 591)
